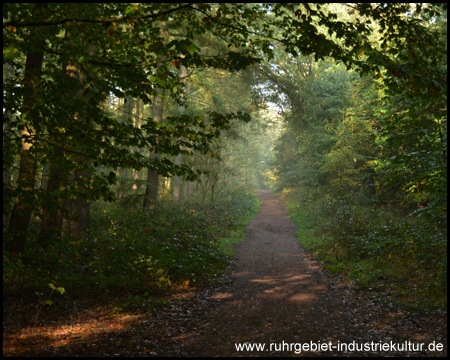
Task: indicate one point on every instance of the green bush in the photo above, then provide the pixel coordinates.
(376, 247)
(134, 250)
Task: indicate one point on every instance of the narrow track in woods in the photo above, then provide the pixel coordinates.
(279, 294)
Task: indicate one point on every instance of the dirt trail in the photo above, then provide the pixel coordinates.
(279, 294)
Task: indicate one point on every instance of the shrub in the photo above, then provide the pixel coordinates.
(135, 250)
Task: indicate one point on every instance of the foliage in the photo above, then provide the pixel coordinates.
(367, 156)
(376, 247)
(88, 58)
(61, 290)
(136, 251)
(361, 90)
(414, 138)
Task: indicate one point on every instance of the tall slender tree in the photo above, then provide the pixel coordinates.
(151, 191)
(24, 203)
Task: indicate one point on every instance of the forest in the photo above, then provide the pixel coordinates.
(135, 136)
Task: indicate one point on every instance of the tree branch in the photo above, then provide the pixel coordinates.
(16, 23)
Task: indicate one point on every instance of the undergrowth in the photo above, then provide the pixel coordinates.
(401, 259)
(136, 252)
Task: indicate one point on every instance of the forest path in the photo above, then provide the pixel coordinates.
(278, 294)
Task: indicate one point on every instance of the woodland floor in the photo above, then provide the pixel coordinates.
(276, 294)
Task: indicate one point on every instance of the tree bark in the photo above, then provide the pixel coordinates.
(52, 218)
(178, 180)
(151, 191)
(137, 123)
(23, 206)
(78, 208)
(123, 172)
(7, 117)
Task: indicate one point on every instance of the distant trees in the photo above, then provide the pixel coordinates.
(66, 63)
(378, 137)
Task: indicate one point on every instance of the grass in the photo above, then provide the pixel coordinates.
(237, 235)
(401, 260)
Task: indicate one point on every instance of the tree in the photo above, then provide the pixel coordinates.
(23, 205)
(151, 191)
(120, 50)
(102, 55)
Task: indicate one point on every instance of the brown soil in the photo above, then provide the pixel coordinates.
(277, 294)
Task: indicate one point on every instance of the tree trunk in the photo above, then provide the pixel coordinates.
(52, 219)
(178, 180)
(23, 206)
(151, 192)
(78, 208)
(7, 74)
(128, 108)
(137, 123)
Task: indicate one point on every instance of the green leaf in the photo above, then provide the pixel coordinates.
(130, 10)
(10, 54)
(192, 49)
